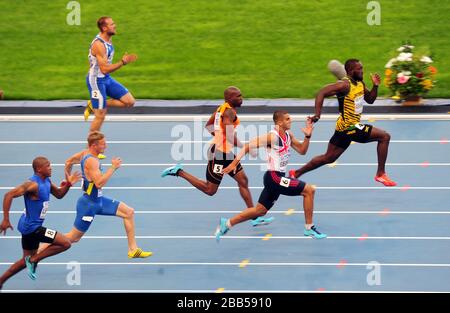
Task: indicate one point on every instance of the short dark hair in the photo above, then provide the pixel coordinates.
(102, 22)
(94, 137)
(349, 64)
(38, 162)
(279, 114)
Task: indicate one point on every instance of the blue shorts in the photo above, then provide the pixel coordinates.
(101, 88)
(87, 209)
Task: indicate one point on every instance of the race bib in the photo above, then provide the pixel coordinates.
(359, 102)
(99, 193)
(360, 126)
(285, 182)
(44, 210)
(96, 94)
(50, 233)
(218, 169)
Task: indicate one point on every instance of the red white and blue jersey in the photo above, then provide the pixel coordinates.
(278, 153)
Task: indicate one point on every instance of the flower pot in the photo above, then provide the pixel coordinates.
(412, 100)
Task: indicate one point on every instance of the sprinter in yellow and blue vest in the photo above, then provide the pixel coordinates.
(222, 125)
(351, 93)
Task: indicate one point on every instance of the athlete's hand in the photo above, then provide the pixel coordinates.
(75, 177)
(230, 168)
(309, 126)
(376, 79)
(4, 226)
(116, 162)
(314, 118)
(129, 58)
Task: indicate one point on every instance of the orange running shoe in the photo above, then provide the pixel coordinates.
(385, 180)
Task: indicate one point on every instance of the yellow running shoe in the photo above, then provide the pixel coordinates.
(101, 156)
(139, 253)
(89, 109)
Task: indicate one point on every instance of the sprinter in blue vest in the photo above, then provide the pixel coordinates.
(93, 202)
(99, 82)
(36, 192)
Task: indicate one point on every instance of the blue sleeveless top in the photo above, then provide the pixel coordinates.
(35, 210)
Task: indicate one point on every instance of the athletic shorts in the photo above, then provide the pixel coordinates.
(219, 160)
(101, 88)
(32, 240)
(87, 209)
(358, 133)
(276, 184)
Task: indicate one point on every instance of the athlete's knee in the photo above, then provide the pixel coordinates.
(243, 182)
(329, 158)
(129, 101)
(66, 244)
(309, 190)
(129, 213)
(211, 191)
(261, 210)
(386, 137)
(100, 114)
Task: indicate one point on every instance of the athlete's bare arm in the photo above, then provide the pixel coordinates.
(262, 141)
(228, 118)
(60, 192)
(210, 124)
(94, 174)
(74, 159)
(27, 187)
(328, 91)
(371, 96)
(302, 147)
(99, 51)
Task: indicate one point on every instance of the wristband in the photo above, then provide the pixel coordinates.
(308, 136)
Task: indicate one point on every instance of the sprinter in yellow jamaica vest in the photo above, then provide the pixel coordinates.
(351, 92)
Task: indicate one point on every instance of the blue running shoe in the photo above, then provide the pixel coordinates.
(313, 232)
(31, 267)
(172, 171)
(259, 221)
(222, 229)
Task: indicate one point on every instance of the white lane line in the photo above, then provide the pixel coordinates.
(423, 164)
(440, 141)
(206, 291)
(254, 237)
(236, 187)
(204, 117)
(257, 188)
(272, 212)
(238, 263)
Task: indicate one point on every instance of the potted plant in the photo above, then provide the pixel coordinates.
(409, 76)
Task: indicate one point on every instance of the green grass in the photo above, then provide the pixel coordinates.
(193, 49)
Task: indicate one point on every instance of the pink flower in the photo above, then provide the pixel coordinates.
(402, 79)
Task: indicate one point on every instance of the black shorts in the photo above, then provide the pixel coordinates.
(358, 133)
(276, 184)
(31, 241)
(219, 160)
